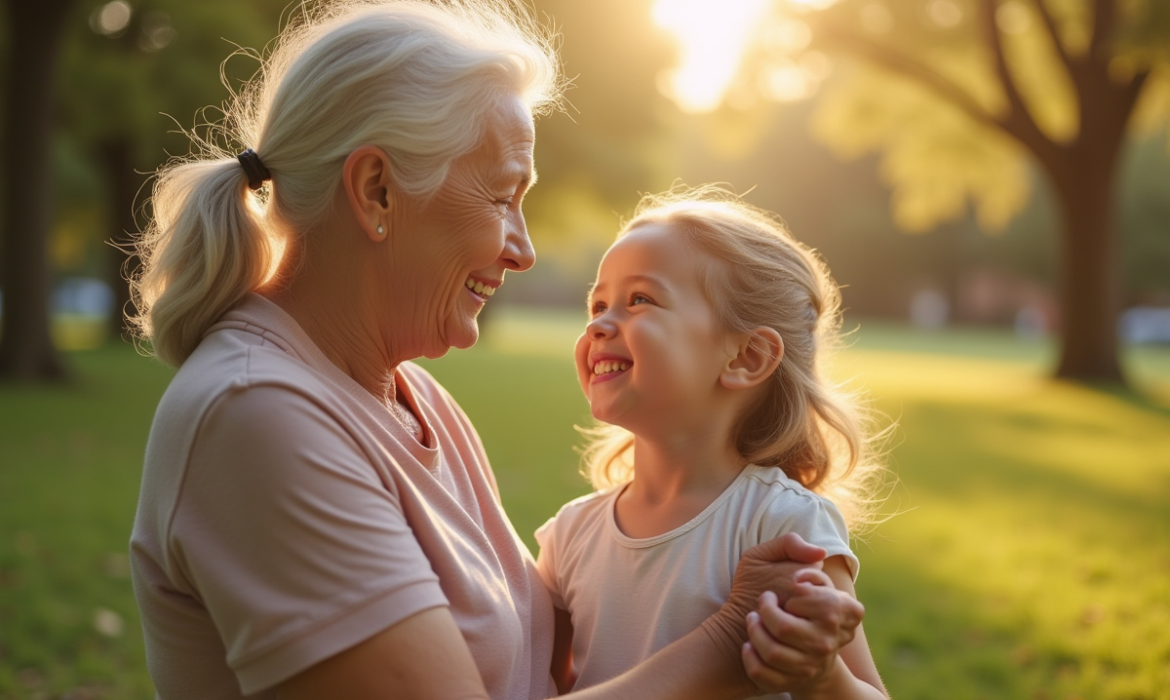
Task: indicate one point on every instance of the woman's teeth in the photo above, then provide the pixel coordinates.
(480, 288)
(607, 367)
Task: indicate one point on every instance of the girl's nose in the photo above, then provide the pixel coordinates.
(600, 327)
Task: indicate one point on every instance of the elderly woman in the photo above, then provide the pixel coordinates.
(317, 517)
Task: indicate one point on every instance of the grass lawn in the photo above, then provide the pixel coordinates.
(1030, 557)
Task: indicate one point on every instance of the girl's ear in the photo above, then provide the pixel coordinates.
(757, 355)
(366, 175)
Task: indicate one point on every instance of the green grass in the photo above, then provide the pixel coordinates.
(1030, 558)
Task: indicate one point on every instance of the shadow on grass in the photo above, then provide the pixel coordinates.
(1138, 398)
(1034, 562)
(997, 446)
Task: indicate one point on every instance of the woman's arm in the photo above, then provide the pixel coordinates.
(424, 657)
(813, 645)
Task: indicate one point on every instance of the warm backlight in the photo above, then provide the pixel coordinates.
(712, 37)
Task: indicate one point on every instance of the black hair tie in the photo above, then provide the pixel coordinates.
(254, 169)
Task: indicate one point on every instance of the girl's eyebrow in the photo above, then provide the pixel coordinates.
(645, 279)
(648, 279)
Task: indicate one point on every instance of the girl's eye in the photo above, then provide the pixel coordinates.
(640, 299)
(597, 309)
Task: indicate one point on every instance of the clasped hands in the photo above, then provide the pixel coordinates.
(796, 619)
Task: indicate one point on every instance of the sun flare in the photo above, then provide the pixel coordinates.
(712, 37)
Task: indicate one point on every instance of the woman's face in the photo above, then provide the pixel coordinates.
(453, 249)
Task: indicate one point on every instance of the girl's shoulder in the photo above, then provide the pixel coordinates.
(778, 485)
(782, 504)
(587, 507)
(589, 512)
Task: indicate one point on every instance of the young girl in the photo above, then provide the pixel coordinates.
(708, 322)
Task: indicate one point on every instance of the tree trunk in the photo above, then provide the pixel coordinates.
(1090, 281)
(26, 348)
(116, 156)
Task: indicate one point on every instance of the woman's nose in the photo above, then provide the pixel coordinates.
(519, 254)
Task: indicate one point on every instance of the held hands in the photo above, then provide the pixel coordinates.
(793, 644)
(770, 566)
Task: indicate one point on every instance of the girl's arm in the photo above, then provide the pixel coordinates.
(813, 645)
(562, 656)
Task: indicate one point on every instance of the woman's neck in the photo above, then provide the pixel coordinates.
(341, 325)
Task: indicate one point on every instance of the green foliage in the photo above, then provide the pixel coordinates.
(155, 75)
(936, 157)
(1030, 558)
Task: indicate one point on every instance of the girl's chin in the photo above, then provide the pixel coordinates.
(608, 414)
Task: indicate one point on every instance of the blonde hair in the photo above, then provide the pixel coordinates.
(819, 434)
(416, 77)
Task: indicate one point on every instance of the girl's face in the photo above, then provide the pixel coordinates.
(652, 353)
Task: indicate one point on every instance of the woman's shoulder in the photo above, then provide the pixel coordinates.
(227, 363)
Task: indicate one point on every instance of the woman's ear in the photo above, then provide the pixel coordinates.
(757, 355)
(366, 175)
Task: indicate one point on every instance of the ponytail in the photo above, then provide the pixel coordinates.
(206, 247)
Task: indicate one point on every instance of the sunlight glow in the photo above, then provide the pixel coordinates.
(712, 37)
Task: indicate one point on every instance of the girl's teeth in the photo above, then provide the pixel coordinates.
(607, 367)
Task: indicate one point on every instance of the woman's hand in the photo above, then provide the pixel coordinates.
(796, 646)
(770, 566)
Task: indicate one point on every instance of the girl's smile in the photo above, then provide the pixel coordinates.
(607, 366)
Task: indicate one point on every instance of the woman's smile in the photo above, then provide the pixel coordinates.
(481, 290)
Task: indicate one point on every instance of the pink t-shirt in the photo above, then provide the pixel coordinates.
(285, 516)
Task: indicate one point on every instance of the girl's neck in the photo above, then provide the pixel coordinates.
(686, 466)
(675, 480)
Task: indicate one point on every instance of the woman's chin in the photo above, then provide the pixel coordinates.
(462, 334)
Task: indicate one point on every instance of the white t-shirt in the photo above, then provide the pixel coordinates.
(628, 597)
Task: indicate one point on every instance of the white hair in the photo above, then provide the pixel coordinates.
(417, 78)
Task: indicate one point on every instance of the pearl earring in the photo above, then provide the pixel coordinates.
(381, 231)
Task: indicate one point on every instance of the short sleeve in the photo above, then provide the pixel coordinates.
(811, 516)
(290, 539)
(546, 562)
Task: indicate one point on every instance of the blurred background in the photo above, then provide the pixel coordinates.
(989, 181)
